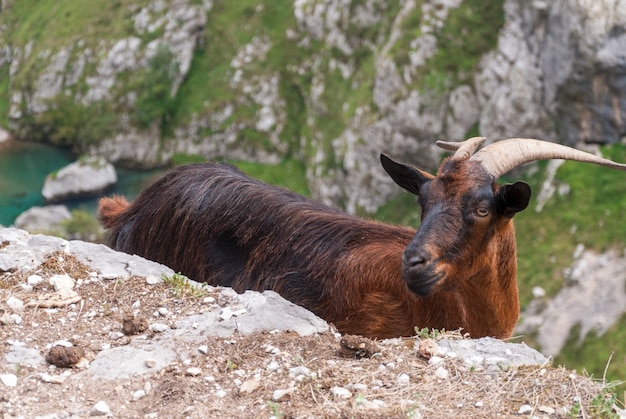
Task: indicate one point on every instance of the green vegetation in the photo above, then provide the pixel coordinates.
(155, 83)
(181, 287)
(289, 174)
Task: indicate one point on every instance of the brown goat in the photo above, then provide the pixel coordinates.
(217, 225)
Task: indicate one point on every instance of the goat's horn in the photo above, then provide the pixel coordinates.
(502, 156)
(463, 149)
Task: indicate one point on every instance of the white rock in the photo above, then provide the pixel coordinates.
(282, 394)
(272, 366)
(341, 392)
(194, 371)
(100, 409)
(404, 379)
(9, 380)
(204, 349)
(62, 282)
(435, 360)
(88, 177)
(15, 304)
(158, 327)
(53, 379)
(441, 373)
(138, 395)
(153, 279)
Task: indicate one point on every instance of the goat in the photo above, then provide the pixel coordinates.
(458, 270)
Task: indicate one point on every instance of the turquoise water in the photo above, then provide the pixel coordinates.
(24, 167)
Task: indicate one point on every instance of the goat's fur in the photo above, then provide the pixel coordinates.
(217, 225)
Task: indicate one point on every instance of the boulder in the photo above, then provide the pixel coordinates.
(41, 219)
(86, 177)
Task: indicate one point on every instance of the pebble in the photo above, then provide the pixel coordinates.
(299, 371)
(404, 379)
(62, 282)
(15, 304)
(282, 395)
(138, 395)
(442, 373)
(100, 409)
(194, 371)
(9, 380)
(153, 279)
(435, 360)
(52, 379)
(272, 366)
(341, 392)
(525, 409)
(34, 279)
(158, 327)
(204, 349)
(478, 404)
(249, 386)
(547, 410)
(150, 363)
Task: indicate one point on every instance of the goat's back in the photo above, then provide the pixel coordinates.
(217, 225)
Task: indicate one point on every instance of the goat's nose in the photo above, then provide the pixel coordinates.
(414, 259)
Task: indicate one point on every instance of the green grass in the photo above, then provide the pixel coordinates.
(289, 174)
(598, 354)
(592, 213)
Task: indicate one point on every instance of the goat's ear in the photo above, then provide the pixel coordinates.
(408, 177)
(513, 198)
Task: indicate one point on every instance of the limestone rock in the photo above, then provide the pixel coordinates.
(86, 177)
(41, 219)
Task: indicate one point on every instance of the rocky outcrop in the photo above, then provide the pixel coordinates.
(366, 78)
(86, 177)
(43, 219)
(602, 276)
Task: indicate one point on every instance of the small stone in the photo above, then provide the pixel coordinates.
(341, 392)
(478, 404)
(282, 395)
(194, 371)
(272, 366)
(435, 360)
(34, 279)
(52, 379)
(100, 409)
(150, 363)
(62, 282)
(525, 409)
(404, 379)
(138, 395)
(547, 410)
(208, 300)
(441, 373)
(158, 327)
(204, 349)
(249, 386)
(163, 311)
(153, 279)
(9, 380)
(300, 370)
(221, 393)
(15, 304)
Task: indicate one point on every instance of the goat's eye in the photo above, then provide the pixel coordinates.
(482, 212)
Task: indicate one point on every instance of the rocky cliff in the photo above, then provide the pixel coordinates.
(331, 83)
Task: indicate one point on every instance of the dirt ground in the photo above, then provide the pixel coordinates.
(261, 375)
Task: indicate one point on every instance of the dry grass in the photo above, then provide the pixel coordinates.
(375, 379)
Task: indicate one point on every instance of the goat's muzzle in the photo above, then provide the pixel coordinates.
(420, 273)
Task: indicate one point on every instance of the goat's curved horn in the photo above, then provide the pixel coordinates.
(502, 156)
(463, 149)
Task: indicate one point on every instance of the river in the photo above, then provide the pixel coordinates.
(23, 170)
